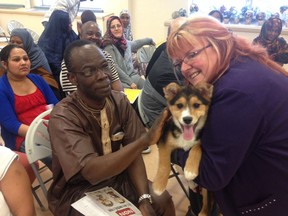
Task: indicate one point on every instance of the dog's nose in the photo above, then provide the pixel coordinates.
(187, 120)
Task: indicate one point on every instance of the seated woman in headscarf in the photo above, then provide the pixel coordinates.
(126, 21)
(39, 63)
(276, 46)
(121, 51)
(56, 36)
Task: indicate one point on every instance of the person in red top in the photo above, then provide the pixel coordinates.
(23, 96)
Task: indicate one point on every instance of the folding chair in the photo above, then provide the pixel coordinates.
(34, 35)
(37, 147)
(144, 55)
(2, 34)
(12, 24)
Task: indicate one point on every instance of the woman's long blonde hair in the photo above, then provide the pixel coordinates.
(227, 45)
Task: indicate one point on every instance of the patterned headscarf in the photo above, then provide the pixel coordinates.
(276, 48)
(109, 38)
(128, 30)
(35, 53)
(272, 24)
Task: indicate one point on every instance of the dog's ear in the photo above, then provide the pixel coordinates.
(205, 89)
(171, 90)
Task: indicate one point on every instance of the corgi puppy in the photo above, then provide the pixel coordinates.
(189, 107)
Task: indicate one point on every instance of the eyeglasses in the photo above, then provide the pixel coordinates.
(187, 59)
(116, 26)
(88, 72)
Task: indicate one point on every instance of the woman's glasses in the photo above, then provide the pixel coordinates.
(188, 58)
(116, 26)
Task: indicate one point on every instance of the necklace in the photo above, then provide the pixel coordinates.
(97, 113)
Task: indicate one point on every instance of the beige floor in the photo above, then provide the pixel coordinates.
(180, 200)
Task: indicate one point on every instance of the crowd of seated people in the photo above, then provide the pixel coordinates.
(39, 63)
(22, 57)
(90, 31)
(30, 75)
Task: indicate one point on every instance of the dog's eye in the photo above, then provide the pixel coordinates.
(179, 106)
(196, 105)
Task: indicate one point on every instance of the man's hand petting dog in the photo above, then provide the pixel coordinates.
(153, 135)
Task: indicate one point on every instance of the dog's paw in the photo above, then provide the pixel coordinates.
(190, 175)
(192, 185)
(158, 190)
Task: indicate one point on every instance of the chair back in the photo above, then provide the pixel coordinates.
(34, 35)
(37, 141)
(3, 35)
(145, 53)
(12, 24)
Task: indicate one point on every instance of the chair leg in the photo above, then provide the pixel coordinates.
(175, 174)
(38, 200)
(39, 178)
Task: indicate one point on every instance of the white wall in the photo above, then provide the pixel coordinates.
(148, 17)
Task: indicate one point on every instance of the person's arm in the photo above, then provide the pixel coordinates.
(115, 81)
(124, 78)
(72, 136)
(137, 173)
(2, 143)
(136, 44)
(8, 118)
(22, 131)
(281, 56)
(16, 189)
(67, 86)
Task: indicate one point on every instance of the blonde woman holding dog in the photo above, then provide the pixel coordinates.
(245, 140)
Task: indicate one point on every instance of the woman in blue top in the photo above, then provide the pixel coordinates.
(245, 140)
(23, 96)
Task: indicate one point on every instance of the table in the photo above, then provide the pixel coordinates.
(132, 94)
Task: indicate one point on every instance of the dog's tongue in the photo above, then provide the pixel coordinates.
(188, 132)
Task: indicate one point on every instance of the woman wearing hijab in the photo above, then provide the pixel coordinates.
(54, 39)
(276, 46)
(121, 51)
(39, 63)
(23, 38)
(126, 20)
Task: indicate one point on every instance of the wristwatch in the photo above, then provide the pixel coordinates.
(145, 196)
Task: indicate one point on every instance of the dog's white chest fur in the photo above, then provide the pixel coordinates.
(180, 142)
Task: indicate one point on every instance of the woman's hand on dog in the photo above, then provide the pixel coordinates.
(155, 132)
